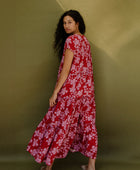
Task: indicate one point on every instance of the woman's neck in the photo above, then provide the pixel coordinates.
(78, 33)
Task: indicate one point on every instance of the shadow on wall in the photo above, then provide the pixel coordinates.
(102, 64)
(117, 101)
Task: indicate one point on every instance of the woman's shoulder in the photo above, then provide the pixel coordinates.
(77, 37)
(73, 36)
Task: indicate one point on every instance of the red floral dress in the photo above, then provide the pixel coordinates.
(70, 124)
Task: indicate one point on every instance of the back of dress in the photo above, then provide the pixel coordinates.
(80, 79)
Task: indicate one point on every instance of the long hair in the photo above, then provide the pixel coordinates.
(60, 34)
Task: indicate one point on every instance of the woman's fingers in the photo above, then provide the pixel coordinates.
(52, 103)
(52, 100)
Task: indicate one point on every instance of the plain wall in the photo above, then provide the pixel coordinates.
(28, 69)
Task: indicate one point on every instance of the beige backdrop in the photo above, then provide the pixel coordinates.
(29, 69)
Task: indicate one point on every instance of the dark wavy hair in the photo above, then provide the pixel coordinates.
(60, 34)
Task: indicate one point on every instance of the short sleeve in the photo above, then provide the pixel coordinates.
(69, 44)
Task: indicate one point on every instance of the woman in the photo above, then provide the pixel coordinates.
(69, 124)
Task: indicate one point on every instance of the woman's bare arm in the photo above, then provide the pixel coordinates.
(63, 75)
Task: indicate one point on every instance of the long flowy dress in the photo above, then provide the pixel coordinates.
(70, 124)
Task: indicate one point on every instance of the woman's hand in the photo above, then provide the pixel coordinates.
(52, 100)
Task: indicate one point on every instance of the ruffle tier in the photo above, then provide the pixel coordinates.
(68, 126)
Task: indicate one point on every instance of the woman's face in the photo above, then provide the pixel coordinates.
(70, 26)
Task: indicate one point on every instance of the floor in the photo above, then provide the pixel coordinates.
(71, 162)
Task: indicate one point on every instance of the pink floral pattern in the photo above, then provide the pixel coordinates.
(70, 124)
